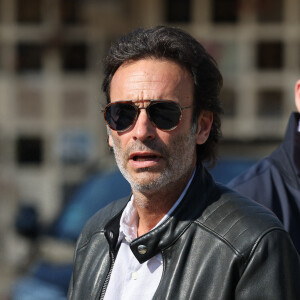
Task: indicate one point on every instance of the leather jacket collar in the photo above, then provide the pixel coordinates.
(164, 235)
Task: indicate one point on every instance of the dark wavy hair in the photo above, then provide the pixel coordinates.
(163, 42)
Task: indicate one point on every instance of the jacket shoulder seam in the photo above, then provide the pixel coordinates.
(258, 240)
(263, 234)
(230, 245)
(217, 235)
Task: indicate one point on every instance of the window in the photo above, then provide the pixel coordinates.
(269, 55)
(29, 103)
(225, 53)
(74, 57)
(29, 57)
(29, 150)
(178, 11)
(70, 11)
(270, 103)
(224, 11)
(269, 10)
(74, 146)
(228, 101)
(29, 11)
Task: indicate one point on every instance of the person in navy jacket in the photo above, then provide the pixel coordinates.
(275, 180)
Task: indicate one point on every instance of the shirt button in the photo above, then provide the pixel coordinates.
(134, 275)
(142, 249)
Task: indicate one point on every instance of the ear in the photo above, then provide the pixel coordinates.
(110, 141)
(297, 95)
(204, 125)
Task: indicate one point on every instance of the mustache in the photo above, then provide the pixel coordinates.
(147, 146)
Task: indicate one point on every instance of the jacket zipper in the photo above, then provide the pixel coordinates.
(108, 276)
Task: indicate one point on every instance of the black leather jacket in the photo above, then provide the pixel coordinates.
(217, 245)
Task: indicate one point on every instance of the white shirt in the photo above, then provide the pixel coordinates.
(129, 279)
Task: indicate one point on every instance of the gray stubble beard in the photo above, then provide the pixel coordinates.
(179, 162)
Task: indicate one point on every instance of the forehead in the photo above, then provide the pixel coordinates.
(151, 79)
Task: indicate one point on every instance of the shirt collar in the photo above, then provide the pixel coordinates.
(129, 218)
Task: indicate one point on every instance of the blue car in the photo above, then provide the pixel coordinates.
(48, 280)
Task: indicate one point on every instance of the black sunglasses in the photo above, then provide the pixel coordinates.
(163, 114)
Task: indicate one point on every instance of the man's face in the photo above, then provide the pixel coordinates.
(148, 157)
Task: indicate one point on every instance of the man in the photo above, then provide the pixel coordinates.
(180, 235)
(275, 180)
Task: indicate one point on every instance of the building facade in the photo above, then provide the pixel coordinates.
(51, 127)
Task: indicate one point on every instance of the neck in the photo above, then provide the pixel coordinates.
(153, 206)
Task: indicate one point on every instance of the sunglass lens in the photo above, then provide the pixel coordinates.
(120, 116)
(165, 115)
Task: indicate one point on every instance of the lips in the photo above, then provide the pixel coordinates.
(144, 159)
(142, 156)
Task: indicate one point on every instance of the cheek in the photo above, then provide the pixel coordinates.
(165, 138)
(173, 140)
(115, 140)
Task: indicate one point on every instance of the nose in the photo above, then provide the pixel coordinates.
(143, 128)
